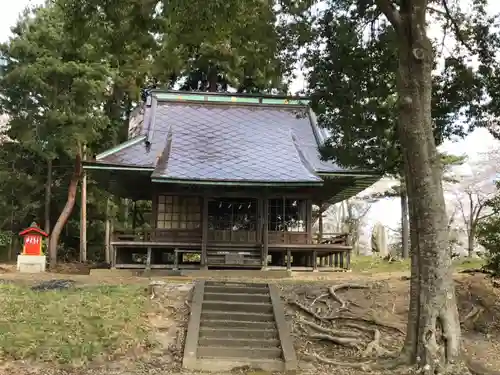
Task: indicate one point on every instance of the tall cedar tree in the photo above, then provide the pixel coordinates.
(52, 87)
(374, 87)
(225, 43)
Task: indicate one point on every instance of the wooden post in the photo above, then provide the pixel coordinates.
(288, 259)
(83, 215)
(265, 233)
(148, 259)
(107, 234)
(48, 198)
(309, 221)
(315, 261)
(320, 223)
(204, 234)
(134, 213)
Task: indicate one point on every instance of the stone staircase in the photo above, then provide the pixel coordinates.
(238, 324)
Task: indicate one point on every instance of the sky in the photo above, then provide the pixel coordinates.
(387, 211)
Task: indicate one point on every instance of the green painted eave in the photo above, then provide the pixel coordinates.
(237, 183)
(114, 167)
(358, 185)
(355, 174)
(225, 98)
(120, 147)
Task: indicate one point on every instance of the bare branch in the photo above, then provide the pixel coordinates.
(392, 14)
(455, 26)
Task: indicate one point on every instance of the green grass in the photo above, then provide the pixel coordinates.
(369, 264)
(71, 326)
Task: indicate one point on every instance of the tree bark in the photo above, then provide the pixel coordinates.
(433, 340)
(405, 225)
(471, 239)
(107, 235)
(83, 217)
(48, 199)
(66, 212)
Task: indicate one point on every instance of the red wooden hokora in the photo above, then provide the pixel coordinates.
(33, 239)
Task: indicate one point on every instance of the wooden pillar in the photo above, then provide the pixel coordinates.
(309, 222)
(204, 233)
(288, 260)
(148, 259)
(83, 216)
(265, 232)
(315, 260)
(154, 214)
(260, 220)
(113, 256)
(107, 237)
(320, 223)
(134, 214)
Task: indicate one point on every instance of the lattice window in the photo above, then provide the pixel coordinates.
(176, 212)
(238, 214)
(287, 215)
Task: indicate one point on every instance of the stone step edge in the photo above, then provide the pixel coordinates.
(236, 303)
(243, 323)
(238, 294)
(250, 340)
(229, 329)
(241, 313)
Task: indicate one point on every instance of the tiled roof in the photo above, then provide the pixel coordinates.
(197, 141)
(229, 143)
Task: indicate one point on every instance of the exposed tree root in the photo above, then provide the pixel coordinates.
(343, 303)
(354, 331)
(333, 332)
(477, 368)
(345, 341)
(472, 315)
(307, 310)
(374, 346)
(370, 320)
(364, 366)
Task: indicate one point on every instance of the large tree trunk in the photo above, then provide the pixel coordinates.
(470, 240)
(405, 225)
(48, 199)
(107, 235)
(433, 330)
(66, 212)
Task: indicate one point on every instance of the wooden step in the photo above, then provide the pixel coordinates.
(237, 297)
(236, 315)
(238, 343)
(222, 332)
(224, 352)
(238, 324)
(230, 306)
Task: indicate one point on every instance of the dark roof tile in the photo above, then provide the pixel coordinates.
(229, 142)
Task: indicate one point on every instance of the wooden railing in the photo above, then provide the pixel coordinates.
(194, 235)
(157, 235)
(332, 238)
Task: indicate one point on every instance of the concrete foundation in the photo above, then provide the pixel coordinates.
(31, 263)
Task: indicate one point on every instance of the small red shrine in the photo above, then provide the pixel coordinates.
(33, 240)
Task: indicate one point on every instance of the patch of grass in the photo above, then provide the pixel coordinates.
(468, 263)
(374, 264)
(72, 326)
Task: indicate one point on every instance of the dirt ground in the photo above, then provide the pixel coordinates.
(365, 320)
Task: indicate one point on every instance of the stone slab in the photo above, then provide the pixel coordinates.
(31, 263)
